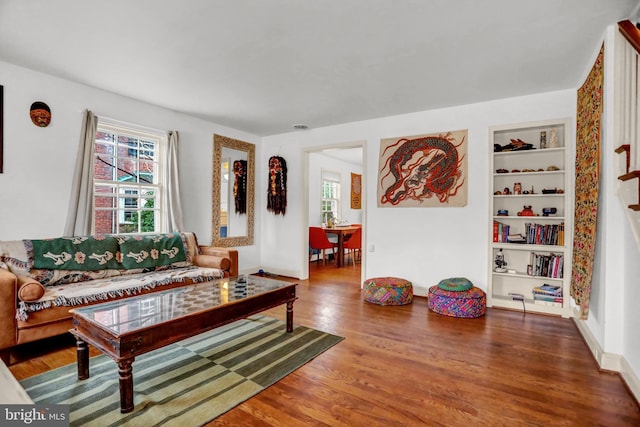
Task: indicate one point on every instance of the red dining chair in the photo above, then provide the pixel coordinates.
(318, 240)
(354, 244)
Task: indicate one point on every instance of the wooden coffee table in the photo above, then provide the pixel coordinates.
(126, 328)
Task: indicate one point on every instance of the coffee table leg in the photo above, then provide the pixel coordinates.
(290, 316)
(126, 385)
(82, 350)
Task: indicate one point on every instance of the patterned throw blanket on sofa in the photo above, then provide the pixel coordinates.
(80, 293)
(85, 269)
(89, 253)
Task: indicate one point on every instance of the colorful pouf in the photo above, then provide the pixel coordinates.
(468, 304)
(388, 291)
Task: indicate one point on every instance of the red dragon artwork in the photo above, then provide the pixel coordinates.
(423, 171)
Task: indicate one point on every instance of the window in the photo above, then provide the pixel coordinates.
(127, 179)
(330, 196)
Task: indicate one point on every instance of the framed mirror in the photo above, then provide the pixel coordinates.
(233, 192)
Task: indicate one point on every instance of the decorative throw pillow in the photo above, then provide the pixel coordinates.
(455, 284)
(29, 290)
(84, 253)
(153, 250)
(212, 261)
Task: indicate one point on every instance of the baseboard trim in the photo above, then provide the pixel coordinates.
(609, 361)
(420, 291)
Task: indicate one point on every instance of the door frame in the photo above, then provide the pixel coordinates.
(305, 202)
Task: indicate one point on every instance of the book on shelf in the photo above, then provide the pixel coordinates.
(552, 298)
(547, 303)
(548, 290)
(500, 232)
(547, 265)
(516, 238)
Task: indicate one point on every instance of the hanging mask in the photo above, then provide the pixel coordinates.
(40, 114)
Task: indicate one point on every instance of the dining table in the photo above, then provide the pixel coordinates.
(342, 231)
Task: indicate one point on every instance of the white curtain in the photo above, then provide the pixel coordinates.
(172, 205)
(79, 217)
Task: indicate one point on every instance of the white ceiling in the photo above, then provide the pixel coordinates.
(264, 65)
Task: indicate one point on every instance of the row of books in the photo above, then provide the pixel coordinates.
(544, 234)
(548, 295)
(538, 234)
(547, 265)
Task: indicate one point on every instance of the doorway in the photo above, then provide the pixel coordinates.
(342, 164)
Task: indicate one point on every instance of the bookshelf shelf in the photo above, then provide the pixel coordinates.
(530, 305)
(523, 275)
(525, 218)
(528, 247)
(531, 181)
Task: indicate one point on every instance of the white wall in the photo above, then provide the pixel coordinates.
(423, 245)
(38, 162)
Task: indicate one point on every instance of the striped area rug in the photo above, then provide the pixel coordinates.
(188, 383)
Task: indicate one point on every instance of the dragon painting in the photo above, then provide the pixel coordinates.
(427, 167)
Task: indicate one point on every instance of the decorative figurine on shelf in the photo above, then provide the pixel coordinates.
(500, 262)
(526, 211)
(553, 142)
(506, 191)
(543, 139)
(517, 188)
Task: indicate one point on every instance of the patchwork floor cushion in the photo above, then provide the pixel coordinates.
(388, 291)
(467, 303)
(455, 284)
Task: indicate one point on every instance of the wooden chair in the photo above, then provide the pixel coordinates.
(354, 244)
(318, 240)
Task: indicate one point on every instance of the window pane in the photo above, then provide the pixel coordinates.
(104, 197)
(105, 137)
(147, 220)
(146, 172)
(127, 228)
(105, 221)
(104, 167)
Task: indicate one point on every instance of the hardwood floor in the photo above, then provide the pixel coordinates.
(408, 366)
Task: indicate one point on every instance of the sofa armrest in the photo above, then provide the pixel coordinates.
(232, 254)
(8, 307)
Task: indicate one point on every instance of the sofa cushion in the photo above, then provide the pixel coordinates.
(85, 253)
(150, 251)
(29, 289)
(212, 261)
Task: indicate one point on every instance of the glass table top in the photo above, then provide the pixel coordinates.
(138, 312)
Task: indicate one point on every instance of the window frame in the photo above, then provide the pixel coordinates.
(334, 180)
(110, 201)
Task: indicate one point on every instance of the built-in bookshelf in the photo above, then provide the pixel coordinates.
(531, 217)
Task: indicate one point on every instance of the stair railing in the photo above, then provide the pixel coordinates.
(627, 119)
